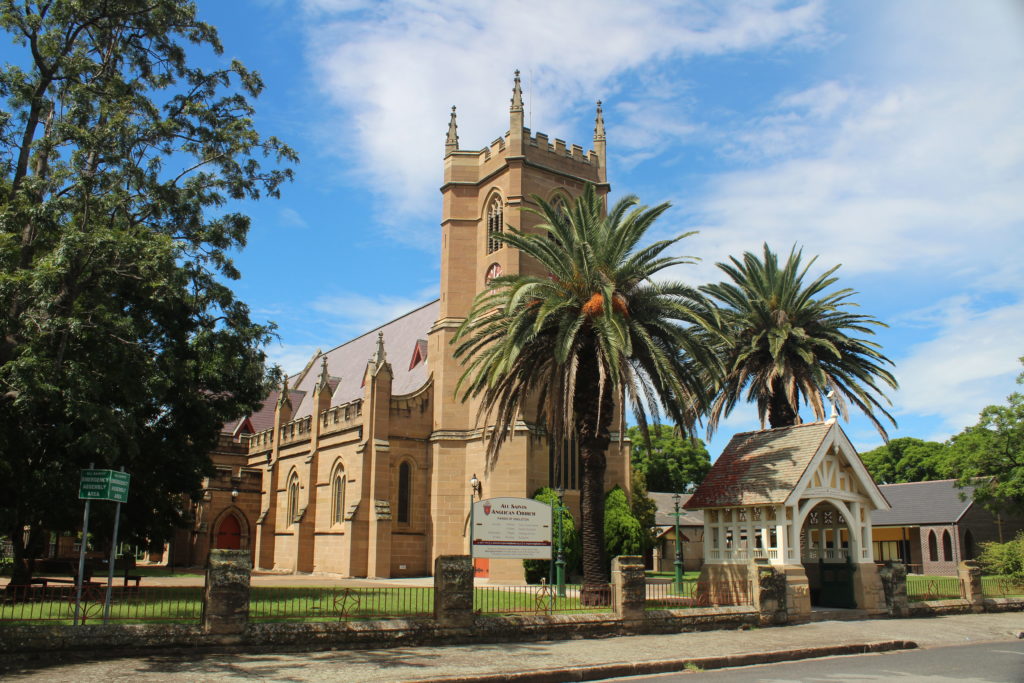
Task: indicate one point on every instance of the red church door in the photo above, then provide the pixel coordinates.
(229, 535)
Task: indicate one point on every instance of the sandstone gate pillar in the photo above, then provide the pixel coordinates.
(226, 594)
(453, 590)
(629, 587)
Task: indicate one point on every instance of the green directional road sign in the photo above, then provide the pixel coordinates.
(104, 485)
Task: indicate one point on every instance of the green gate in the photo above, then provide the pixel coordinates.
(837, 584)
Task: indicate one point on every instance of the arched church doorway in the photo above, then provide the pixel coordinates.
(826, 557)
(229, 533)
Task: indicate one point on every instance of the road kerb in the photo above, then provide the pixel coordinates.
(621, 669)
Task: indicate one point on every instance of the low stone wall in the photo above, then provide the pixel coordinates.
(114, 639)
(226, 626)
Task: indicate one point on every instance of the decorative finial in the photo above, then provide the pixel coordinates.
(379, 357)
(832, 399)
(517, 95)
(451, 144)
(284, 398)
(599, 123)
(324, 379)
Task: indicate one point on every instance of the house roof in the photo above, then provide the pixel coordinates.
(760, 468)
(346, 363)
(666, 508)
(923, 502)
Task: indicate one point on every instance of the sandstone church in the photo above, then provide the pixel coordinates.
(361, 464)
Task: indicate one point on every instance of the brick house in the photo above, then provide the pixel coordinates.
(360, 465)
(933, 525)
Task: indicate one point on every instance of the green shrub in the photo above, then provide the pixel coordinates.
(1004, 559)
(541, 569)
(623, 534)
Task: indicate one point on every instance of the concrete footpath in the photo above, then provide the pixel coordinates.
(575, 660)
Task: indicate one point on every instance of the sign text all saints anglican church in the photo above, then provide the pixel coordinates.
(512, 528)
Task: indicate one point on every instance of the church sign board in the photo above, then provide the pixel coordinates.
(511, 528)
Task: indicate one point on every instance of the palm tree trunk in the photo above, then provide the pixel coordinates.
(780, 412)
(593, 420)
(595, 567)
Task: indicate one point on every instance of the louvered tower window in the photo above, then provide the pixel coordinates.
(494, 224)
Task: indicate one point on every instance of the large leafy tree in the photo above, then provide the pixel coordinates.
(990, 454)
(908, 459)
(668, 460)
(120, 343)
(592, 330)
(786, 341)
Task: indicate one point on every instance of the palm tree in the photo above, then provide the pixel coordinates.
(579, 339)
(785, 342)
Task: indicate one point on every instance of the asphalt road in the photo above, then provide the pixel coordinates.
(981, 663)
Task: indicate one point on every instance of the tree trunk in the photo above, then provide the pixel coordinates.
(593, 419)
(780, 412)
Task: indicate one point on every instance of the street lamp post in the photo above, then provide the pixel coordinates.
(679, 547)
(560, 561)
(474, 490)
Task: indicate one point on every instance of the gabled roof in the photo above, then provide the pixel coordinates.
(923, 502)
(348, 361)
(665, 515)
(760, 468)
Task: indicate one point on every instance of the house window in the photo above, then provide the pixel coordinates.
(968, 545)
(293, 498)
(947, 547)
(404, 492)
(495, 224)
(338, 496)
(933, 547)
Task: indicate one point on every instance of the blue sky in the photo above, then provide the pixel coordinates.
(885, 136)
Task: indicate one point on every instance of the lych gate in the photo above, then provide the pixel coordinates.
(800, 499)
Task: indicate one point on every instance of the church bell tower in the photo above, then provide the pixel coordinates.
(484, 193)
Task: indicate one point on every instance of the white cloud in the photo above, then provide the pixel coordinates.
(291, 357)
(354, 314)
(915, 173)
(291, 218)
(969, 364)
(393, 71)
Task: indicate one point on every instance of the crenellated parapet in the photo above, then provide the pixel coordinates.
(296, 430)
(341, 417)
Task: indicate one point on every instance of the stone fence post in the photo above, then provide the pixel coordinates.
(629, 587)
(970, 578)
(894, 586)
(226, 594)
(453, 590)
(769, 594)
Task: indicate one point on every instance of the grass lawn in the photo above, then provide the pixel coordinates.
(687, 576)
(56, 605)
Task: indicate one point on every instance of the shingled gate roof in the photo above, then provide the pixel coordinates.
(760, 468)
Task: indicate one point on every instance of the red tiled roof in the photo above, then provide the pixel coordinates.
(760, 468)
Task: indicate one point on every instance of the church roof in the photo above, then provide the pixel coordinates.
(923, 502)
(760, 468)
(347, 363)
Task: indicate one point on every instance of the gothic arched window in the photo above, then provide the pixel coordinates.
(968, 545)
(933, 547)
(338, 495)
(404, 492)
(947, 546)
(293, 498)
(495, 224)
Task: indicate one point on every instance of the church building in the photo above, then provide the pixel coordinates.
(361, 464)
